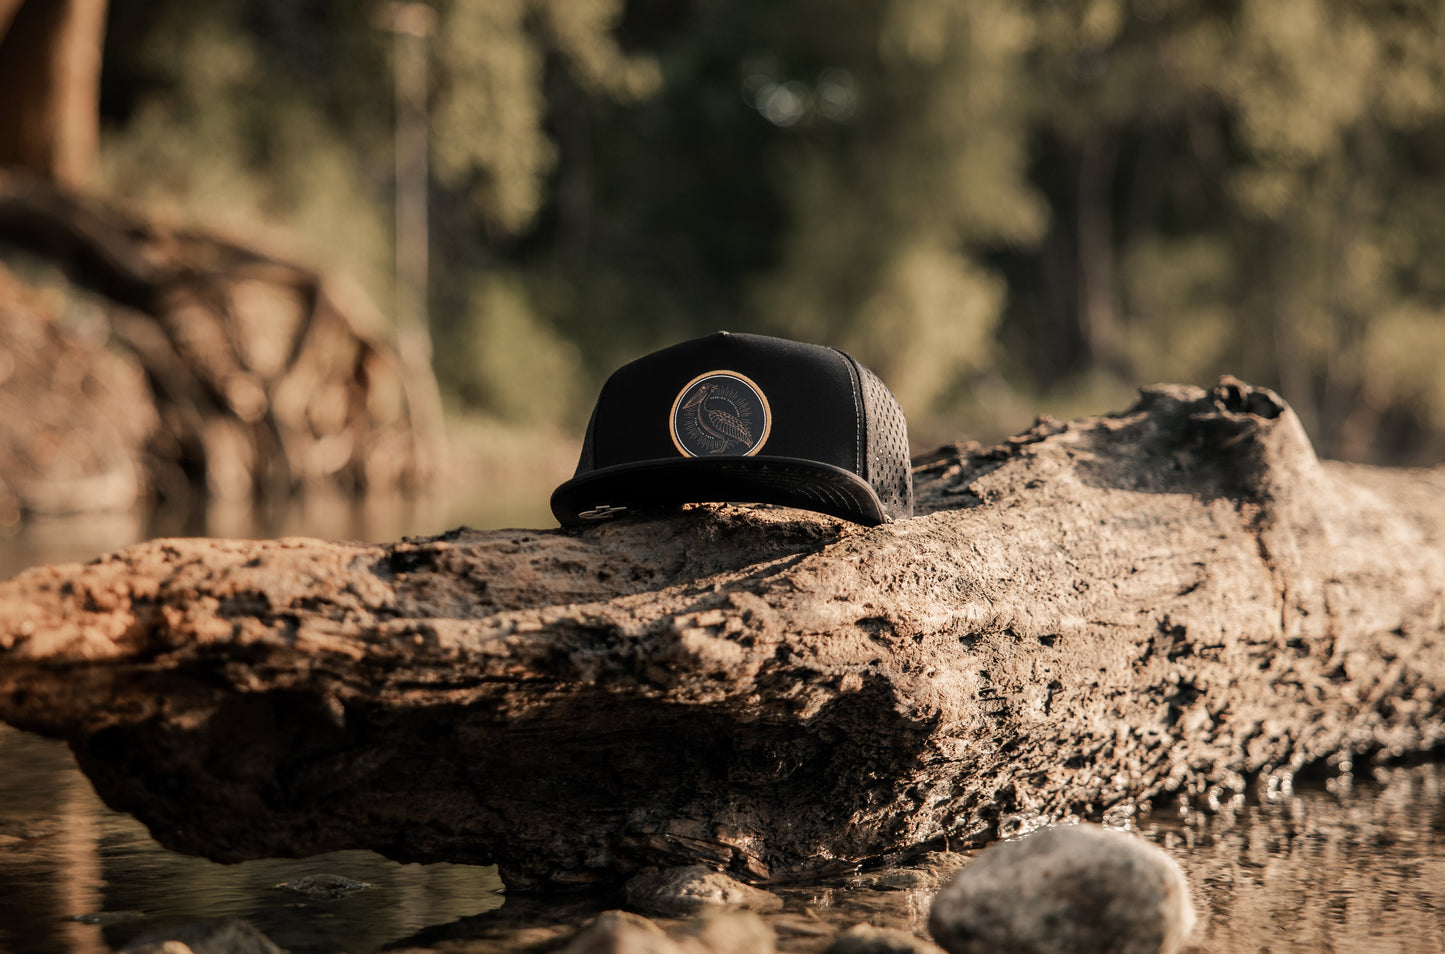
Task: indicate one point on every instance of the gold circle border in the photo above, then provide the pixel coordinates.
(753, 385)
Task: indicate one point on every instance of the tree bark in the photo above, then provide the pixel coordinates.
(1094, 618)
(50, 56)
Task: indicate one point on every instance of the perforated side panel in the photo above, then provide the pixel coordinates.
(889, 467)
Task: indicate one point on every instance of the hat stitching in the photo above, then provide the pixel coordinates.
(859, 432)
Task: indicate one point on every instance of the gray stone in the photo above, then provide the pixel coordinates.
(107, 918)
(1074, 889)
(681, 892)
(866, 939)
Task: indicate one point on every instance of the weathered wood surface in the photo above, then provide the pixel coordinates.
(1096, 616)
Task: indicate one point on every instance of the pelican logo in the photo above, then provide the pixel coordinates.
(720, 412)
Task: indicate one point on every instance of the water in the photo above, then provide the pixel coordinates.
(64, 855)
(1349, 864)
(1343, 866)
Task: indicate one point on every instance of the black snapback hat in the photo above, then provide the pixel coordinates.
(744, 418)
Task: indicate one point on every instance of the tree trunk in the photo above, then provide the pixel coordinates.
(50, 86)
(1093, 618)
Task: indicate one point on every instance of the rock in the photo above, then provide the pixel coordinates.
(727, 932)
(1172, 603)
(228, 936)
(925, 871)
(900, 879)
(107, 918)
(1072, 889)
(160, 947)
(324, 887)
(866, 939)
(718, 932)
(680, 892)
(620, 932)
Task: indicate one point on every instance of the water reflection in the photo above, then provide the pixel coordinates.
(1354, 866)
(371, 519)
(64, 856)
(77, 877)
(1334, 868)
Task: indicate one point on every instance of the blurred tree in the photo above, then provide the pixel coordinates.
(909, 158)
(1239, 188)
(495, 153)
(50, 78)
(821, 170)
(491, 109)
(994, 204)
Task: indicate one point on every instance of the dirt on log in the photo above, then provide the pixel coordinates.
(1094, 617)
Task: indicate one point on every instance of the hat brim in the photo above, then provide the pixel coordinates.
(790, 482)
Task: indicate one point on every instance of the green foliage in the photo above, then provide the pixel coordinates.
(887, 216)
(510, 361)
(222, 114)
(491, 106)
(997, 205)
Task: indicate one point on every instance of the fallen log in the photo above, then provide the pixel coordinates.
(1092, 618)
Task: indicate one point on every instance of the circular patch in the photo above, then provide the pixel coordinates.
(720, 412)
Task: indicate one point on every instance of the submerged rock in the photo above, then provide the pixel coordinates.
(621, 932)
(927, 872)
(227, 936)
(1074, 889)
(727, 932)
(679, 892)
(325, 887)
(718, 932)
(866, 939)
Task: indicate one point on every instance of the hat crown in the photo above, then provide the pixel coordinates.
(744, 418)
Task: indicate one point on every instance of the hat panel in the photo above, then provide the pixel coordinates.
(808, 392)
(890, 465)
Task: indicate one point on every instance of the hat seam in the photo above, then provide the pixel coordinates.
(860, 426)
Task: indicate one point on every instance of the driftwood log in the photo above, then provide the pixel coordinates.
(263, 377)
(1095, 617)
